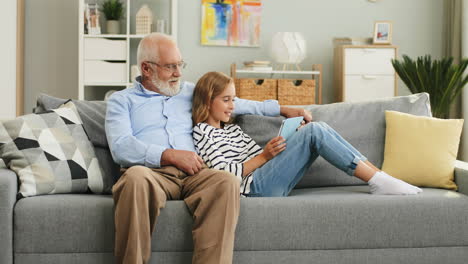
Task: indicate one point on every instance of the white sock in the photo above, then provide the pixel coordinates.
(382, 183)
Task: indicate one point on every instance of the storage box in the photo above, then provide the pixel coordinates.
(296, 92)
(256, 89)
(105, 49)
(103, 71)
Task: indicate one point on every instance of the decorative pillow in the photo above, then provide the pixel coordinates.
(421, 150)
(50, 152)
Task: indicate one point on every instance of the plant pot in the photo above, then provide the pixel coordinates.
(113, 27)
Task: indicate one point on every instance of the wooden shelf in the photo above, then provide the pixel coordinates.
(315, 74)
(279, 72)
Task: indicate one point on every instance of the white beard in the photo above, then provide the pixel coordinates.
(165, 87)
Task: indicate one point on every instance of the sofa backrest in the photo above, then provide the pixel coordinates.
(361, 124)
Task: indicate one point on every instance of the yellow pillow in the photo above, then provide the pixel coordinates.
(421, 150)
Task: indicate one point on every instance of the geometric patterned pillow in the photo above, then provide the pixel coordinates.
(51, 153)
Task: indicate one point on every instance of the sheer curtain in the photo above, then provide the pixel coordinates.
(456, 45)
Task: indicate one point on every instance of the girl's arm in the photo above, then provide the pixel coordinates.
(272, 148)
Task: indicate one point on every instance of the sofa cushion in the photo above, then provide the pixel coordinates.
(361, 124)
(50, 152)
(93, 114)
(422, 150)
(345, 217)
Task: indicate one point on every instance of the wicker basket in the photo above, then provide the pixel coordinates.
(296, 92)
(256, 89)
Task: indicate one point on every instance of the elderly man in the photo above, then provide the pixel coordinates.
(149, 130)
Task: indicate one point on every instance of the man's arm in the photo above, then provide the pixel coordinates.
(269, 108)
(249, 107)
(126, 149)
(295, 112)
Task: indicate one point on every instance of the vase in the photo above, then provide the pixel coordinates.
(113, 27)
(288, 47)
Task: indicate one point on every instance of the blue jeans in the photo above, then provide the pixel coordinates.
(278, 176)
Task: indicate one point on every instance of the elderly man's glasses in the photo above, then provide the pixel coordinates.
(170, 67)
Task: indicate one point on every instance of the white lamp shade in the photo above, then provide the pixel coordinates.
(288, 47)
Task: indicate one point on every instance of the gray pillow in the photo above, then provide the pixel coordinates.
(93, 115)
(50, 153)
(361, 124)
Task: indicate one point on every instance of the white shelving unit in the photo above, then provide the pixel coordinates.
(104, 60)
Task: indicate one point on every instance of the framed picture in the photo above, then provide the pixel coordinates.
(382, 32)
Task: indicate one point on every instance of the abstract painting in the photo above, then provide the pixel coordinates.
(231, 22)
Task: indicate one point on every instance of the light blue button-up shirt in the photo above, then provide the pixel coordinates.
(141, 124)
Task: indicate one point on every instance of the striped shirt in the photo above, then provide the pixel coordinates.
(226, 149)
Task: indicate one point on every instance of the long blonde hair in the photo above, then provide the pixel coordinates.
(207, 88)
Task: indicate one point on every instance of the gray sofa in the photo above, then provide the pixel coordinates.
(329, 218)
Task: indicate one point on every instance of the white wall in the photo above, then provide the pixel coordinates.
(417, 30)
(8, 61)
(52, 37)
(51, 50)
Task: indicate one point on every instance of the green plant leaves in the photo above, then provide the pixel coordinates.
(440, 78)
(112, 9)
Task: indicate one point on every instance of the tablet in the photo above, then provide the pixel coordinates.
(289, 126)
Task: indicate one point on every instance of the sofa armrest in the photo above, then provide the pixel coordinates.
(8, 190)
(461, 176)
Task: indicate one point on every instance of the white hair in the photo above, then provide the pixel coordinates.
(148, 47)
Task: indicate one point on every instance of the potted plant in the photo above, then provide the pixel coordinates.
(113, 10)
(442, 79)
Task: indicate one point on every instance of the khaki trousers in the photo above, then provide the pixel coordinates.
(212, 196)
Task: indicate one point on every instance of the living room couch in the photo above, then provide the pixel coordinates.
(329, 217)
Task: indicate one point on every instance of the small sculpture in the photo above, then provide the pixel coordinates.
(144, 20)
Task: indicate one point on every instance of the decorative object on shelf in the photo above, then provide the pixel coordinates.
(92, 19)
(351, 41)
(161, 26)
(288, 48)
(231, 23)
(382, 32)
(113, 10)
(440, 78)
(144, 20)
(258, 65)
(134, 72)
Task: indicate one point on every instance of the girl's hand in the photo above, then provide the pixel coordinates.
(274, 147)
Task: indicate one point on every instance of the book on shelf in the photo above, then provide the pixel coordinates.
(258, 68)
(256, 63)
(351, 41)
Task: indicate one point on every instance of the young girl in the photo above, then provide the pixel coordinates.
(275, 170)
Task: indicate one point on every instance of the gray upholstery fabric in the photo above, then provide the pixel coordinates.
(326, 218)
(446, 255)
(461, 176)
(93, 115)
(361, 124)
(8, 190)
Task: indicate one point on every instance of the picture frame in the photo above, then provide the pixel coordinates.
(382, 32)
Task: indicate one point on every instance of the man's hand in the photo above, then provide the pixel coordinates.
(187, 161)
(295, 112)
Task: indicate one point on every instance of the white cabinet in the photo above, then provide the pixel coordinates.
(105, 60)
(364, 73)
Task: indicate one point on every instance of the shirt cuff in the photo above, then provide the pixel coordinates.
(153, 156)
(271, 108)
